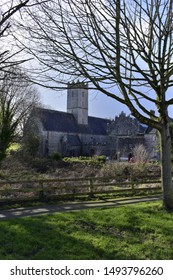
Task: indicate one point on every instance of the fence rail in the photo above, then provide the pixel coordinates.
(60, 187)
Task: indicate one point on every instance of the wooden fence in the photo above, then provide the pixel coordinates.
(40, 189)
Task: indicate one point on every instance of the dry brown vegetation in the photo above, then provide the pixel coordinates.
(15, 167)
(45, 178)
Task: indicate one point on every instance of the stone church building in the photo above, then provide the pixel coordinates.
(74, 133)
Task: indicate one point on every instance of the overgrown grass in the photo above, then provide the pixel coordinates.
(141, 231)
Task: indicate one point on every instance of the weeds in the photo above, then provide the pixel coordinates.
(112, 169)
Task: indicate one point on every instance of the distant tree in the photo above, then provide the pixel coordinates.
(108, 43)
(31, 143)
(17, 99)
(31, 137)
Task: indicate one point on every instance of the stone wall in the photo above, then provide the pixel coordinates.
(77, 101)
(151, 142)
(124, 125)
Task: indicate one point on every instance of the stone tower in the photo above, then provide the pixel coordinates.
(77, 101)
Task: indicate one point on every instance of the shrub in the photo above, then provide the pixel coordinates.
(56, 156)
(101, 159)
(42, 165)
(88, 160)
(31, 144)
(112, 169)
(140, 154)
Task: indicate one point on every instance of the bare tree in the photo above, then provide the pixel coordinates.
(17, 99)
(9, 55)
(16, 94)
(123, 48)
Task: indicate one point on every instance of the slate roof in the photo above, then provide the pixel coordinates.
(58, 121)
(53, 120)
(65, 122)
(98, 125)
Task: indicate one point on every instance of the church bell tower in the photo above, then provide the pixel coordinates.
(77, 101)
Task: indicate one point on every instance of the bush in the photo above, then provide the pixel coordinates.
(56, 156)
(140, 154)
(88, 160)
(31, 144)
(43, 165)
(113, 169)
(101, 159)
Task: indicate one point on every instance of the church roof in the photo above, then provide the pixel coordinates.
(58, 121)
(65, 122)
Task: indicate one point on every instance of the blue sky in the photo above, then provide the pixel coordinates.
(99, 104)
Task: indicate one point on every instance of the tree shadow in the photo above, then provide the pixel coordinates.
(43, 238)
(136, 233)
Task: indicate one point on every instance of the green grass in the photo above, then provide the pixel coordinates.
(87, 160)
(141, 231)
(14, 147)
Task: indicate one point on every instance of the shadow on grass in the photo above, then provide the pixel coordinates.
(130, 232)
(42, 238)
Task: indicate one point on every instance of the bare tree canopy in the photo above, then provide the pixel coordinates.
(10, 55)
(123, 48)
(17, 99)
(108, 43)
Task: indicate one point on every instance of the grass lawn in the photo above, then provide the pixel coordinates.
(141, 231)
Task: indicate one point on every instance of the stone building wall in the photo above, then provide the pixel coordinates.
(75, 133)
(77, 101)
(151, 141)
(124, 125)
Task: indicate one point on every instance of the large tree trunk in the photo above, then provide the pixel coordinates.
(166, 165)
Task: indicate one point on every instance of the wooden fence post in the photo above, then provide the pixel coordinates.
(132, 184)
(41, 193)
(91, 187)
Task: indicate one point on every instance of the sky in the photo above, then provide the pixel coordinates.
(99, 105)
